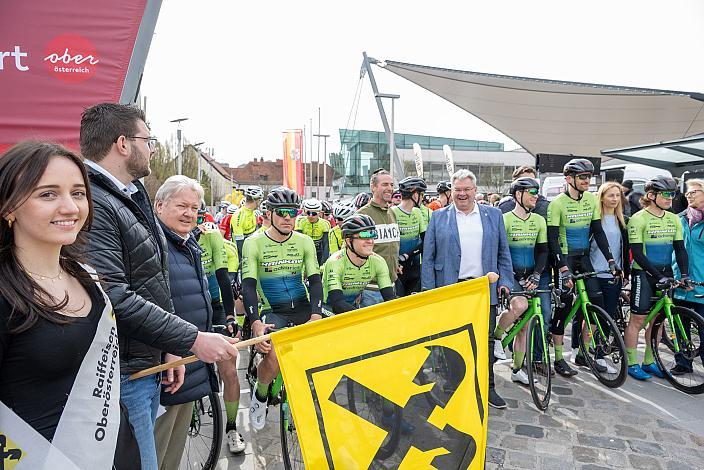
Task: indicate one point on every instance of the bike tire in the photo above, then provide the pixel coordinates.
(693, 382)
(540, 384)
(205, 435)
(609, 346)
(290, 446)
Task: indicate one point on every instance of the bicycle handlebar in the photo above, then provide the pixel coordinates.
(592, 274)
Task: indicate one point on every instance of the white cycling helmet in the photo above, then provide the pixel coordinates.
(344, 209)
(312, 205)
(232, 208)
(254, 192)
(209, 226)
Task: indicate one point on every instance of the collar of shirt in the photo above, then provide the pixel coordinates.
(473, 211)
(126, 190)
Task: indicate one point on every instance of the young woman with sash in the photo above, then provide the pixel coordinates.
(59, 358)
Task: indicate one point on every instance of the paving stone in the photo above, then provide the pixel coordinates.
(585, 454)
(627, 431)
(586, 426)
(664, 424)
(698, 440)
(494, 455)
(614, 458)
(498, 425)
(667, 436)
(560, 435)
(562, 391)
(516, 443)
(643, 462)
(677, 465)
(554, 463)
(594, 467)
(521, 460)
(571, 401)
(634, 418)
(566, 412)
(554, 448)
(530, 431)
(511, 402)
(602, 442)
(645, 447)
(549, 421)
(524, 416)
(605, 405)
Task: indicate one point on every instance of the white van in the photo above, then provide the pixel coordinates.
(552, 186)
(635, 172)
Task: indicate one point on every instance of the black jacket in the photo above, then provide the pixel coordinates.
(191, 298)
(129, 254)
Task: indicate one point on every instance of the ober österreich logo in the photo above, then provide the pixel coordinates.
(71, 58)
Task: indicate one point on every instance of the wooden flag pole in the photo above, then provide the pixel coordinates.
(190, 359)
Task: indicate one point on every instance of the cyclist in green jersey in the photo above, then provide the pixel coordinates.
(412, 227)
(310, 223)
(573, 219)
(266, 220)
(215, 263)
(244, 222)
(653, 233)
(349, 271)
(527, 236)
(274, 264)
(340, 211)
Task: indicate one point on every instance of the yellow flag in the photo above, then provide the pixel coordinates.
(403, 384)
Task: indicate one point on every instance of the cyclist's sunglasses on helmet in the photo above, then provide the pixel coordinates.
(583, 176)
(312, 213)
(667, 194)
(367, 234)
(533, 191)
(286, 211)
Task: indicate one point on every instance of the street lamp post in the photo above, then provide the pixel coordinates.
(392, 140)
(325, 160)
(195, 146)
(179, 157)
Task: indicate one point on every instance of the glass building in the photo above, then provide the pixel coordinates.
(363, 152)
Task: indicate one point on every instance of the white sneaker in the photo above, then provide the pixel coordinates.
(520, 376)
(235, 441)
(257, 413)
(499, 350)
(609, 369)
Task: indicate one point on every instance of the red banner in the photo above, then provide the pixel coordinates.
(293, 163)
(58, 58)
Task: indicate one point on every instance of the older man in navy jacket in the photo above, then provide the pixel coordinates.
(466, 240)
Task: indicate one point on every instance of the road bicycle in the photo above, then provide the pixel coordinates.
(602, 345)
(205, 434)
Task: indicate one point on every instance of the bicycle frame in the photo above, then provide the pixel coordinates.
(665, 304)
(583, 302)
(532, 311)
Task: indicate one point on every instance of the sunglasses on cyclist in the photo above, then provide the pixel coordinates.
(667, 194)
(367, 234)
(584, 176)
(200, 219)
(533, 191)
(312, 214)
(283, 212)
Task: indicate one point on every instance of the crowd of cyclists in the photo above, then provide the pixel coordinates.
(291, 261)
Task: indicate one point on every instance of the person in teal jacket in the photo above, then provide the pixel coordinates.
(692, 220)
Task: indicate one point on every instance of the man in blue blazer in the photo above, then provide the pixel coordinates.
(466, 240)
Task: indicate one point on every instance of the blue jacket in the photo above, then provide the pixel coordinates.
(442, 252)
(191, 298)
(694, 244)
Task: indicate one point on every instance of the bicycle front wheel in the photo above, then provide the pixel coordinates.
(290, 448)
(682, 365)
(604, 348)
(538, 356)
(205, 434)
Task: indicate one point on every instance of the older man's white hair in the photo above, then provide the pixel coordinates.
(463, 174)
(175, 184)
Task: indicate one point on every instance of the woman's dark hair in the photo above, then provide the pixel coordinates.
(21, 168)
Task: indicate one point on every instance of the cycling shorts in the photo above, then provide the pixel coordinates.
(288, 316)
(643, 290)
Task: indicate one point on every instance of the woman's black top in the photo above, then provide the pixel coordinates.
(38, 366)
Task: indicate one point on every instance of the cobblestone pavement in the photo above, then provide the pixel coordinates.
(586, 427)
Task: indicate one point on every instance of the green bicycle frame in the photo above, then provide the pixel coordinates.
(582, 302)
(665, 303)
(532, 311)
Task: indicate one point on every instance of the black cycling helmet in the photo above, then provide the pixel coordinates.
(327, 207)
(521, 184)
(578, 165)
(443, 187)
(202, 209)
(282, 197)
(661, 183)
(362, 199)
(412, 184)
(357, 223)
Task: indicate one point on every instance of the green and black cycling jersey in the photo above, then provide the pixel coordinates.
(527, 242)
(411, 227)
(214, 259)
(318, 231)
(276, 270)
(343, 281)
(653, 240)
(571, 223)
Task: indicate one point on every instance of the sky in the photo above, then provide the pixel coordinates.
(244, 72)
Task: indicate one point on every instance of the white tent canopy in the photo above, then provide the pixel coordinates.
(674, 155)
(547, 116)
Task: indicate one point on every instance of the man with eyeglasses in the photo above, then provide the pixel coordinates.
(274, 264)
(654, 234)
(466, 240)
(574, 217)
(347, 272)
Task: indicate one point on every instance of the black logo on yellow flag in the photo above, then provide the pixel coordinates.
(10, 454)
(381, 416)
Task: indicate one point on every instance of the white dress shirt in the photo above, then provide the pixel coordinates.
(469, 227)
(127, 190)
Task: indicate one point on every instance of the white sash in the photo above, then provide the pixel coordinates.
(86, 435)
